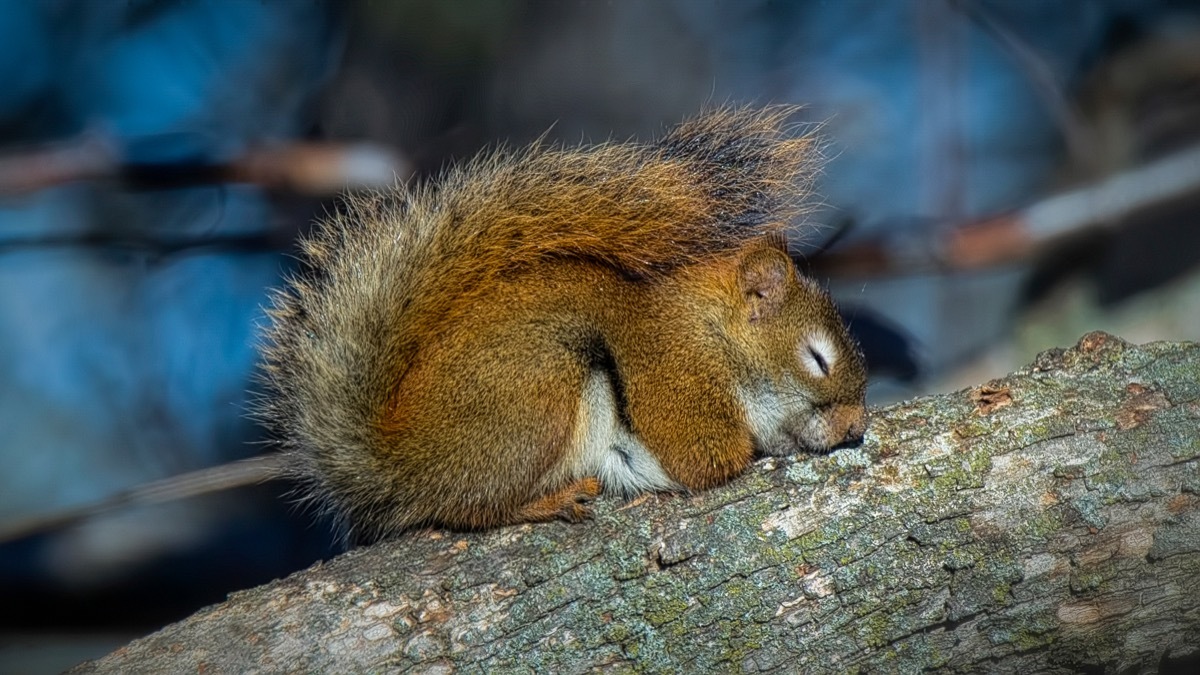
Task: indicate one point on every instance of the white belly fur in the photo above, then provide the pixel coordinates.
(605, 449)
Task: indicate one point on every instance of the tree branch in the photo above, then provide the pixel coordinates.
(1049, 520)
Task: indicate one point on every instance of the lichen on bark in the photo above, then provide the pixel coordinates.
(1048, 521)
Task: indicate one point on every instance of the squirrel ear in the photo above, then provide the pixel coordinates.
(764, 275)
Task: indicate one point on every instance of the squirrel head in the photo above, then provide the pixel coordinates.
(803, 378)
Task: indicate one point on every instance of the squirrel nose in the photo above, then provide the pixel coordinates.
(854, 434)
(856, 425)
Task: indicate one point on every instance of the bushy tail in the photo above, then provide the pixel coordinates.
(392, 265)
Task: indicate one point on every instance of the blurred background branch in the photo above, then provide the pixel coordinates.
(1004, 176)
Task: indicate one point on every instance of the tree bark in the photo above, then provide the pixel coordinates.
(1047, 521)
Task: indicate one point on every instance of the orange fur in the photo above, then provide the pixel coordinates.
(480, 353)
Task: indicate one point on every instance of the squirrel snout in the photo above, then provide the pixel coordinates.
(827, 428)
(851, 422)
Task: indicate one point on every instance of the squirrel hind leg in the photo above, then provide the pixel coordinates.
(571, 503)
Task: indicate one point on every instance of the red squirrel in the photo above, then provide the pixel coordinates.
(548, 324)
(545, 325)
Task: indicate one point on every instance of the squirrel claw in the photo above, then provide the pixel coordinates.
(581, 494)
(572, 503)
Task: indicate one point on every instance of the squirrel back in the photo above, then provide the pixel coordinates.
(388, 362)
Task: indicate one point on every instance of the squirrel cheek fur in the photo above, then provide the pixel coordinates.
(552, 323)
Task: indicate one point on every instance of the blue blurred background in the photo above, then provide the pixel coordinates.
(148, 199)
